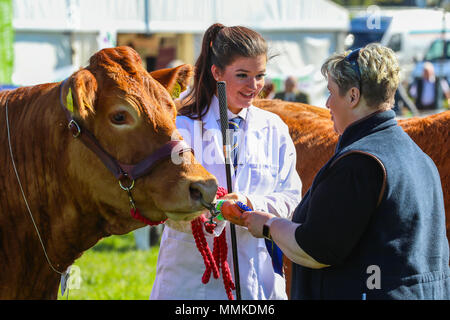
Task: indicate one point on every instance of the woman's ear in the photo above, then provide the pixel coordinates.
(354, 96)
(216, 72)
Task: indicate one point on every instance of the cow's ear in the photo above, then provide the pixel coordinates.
(80, 93)
(175, 80)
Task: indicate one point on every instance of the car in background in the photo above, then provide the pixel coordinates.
(408, 32)
(439, 55)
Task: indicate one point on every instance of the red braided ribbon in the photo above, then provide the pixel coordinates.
(137, 215)
(218, 258)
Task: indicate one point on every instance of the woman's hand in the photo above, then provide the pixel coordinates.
(255, 220)
(231, 211)
(237, 197)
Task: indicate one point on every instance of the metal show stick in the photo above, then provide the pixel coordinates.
(223, 106)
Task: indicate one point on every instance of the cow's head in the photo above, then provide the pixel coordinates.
(132, 114)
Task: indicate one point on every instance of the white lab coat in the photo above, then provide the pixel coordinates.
(266, 174)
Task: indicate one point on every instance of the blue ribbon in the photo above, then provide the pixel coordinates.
(274, 251)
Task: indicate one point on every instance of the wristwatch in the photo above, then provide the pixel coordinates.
(266, 228)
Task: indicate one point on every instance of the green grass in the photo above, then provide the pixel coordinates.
(114, 269)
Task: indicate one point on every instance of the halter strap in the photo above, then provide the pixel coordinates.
(119, 170)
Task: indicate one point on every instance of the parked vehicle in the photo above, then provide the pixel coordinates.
(409, 32)
(438, 54)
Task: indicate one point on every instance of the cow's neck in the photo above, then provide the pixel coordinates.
(62, 223)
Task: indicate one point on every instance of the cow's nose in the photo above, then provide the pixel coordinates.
(203, 189)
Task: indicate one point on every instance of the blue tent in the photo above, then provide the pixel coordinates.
(360, 28)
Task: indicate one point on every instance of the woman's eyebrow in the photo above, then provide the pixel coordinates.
(243, 70)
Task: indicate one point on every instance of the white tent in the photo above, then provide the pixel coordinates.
(62, 35)
(192, 16)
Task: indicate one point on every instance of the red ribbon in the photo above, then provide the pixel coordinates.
(137, 215)
(217, 259)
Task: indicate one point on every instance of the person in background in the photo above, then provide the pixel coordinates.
(372, 224)
(263, 171)
(426, 90)
(402, 102)
(291, 92)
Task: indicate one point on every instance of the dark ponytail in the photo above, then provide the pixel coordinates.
(220, 46)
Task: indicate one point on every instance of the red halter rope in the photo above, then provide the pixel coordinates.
(218, 258)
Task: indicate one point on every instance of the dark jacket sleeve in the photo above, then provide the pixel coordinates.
(340, 209)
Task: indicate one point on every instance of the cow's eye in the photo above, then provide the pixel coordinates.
(119, 118)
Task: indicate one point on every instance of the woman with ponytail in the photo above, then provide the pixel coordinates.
(263, 173)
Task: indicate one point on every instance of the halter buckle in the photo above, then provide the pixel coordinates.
(131, 185)
(74, 128)
(212, 209)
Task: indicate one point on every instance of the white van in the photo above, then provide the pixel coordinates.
(409, 32)
(439, 55)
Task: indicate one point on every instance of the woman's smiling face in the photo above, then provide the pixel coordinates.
(244, 78)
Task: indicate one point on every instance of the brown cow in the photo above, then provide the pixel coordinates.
(312, 131)
(72, 196)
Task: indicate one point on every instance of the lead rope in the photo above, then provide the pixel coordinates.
(62, 274)
(218, 258)
(23, 193)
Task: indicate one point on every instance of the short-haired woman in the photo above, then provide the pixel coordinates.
(372, 225)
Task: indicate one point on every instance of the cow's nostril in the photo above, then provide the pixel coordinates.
(195, 192)
(203, 192)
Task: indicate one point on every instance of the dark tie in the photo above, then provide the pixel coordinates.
(233, 125)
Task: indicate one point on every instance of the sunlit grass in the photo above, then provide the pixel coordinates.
(114, 269)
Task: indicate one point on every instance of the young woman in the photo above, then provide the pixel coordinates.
(264, 178)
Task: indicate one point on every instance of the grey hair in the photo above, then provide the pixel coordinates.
(379, 70)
